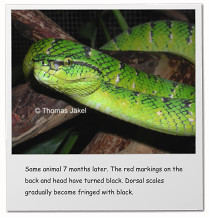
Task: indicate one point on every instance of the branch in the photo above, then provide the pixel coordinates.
(107, 143)
(28, 116)
(34, 25)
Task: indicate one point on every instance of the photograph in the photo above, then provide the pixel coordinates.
(102, 81)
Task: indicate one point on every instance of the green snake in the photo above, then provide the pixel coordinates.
(103, 83)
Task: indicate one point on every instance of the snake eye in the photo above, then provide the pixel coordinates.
(68, 61)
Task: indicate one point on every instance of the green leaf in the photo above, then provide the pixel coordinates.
(104, 28)
(121, 20)
(70, 142)
(48, 146)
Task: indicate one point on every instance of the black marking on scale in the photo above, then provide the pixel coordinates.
(150, 100)
(152, 25)
(53, 43)
(87, 51)
(187, 103)
(190, 27)
(156, 78)
(148, 75)
(115, 42)
(121, 66)
(129, 31)
(47, 76)
(118, 88)
(56, 41)
(175, 84)
(48, 50)
(134, 96)
(137, 93)
(192, 93)
(169, 25)
(165, 100)
(169, 104)
(87, 65)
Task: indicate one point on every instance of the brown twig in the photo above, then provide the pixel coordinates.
(34, 25)
(29, 115)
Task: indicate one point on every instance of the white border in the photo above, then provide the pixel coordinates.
(196, 157)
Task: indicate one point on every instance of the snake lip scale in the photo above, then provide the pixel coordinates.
(103, 83)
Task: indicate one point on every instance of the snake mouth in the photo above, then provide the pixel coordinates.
(48, 75)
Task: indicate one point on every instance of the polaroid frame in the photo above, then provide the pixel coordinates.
(181, 190)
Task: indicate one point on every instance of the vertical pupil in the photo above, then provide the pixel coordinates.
(68, 62)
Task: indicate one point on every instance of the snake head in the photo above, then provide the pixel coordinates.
(67, 75)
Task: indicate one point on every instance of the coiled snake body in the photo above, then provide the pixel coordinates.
(112, 87)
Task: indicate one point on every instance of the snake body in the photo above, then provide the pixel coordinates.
(115, 88)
